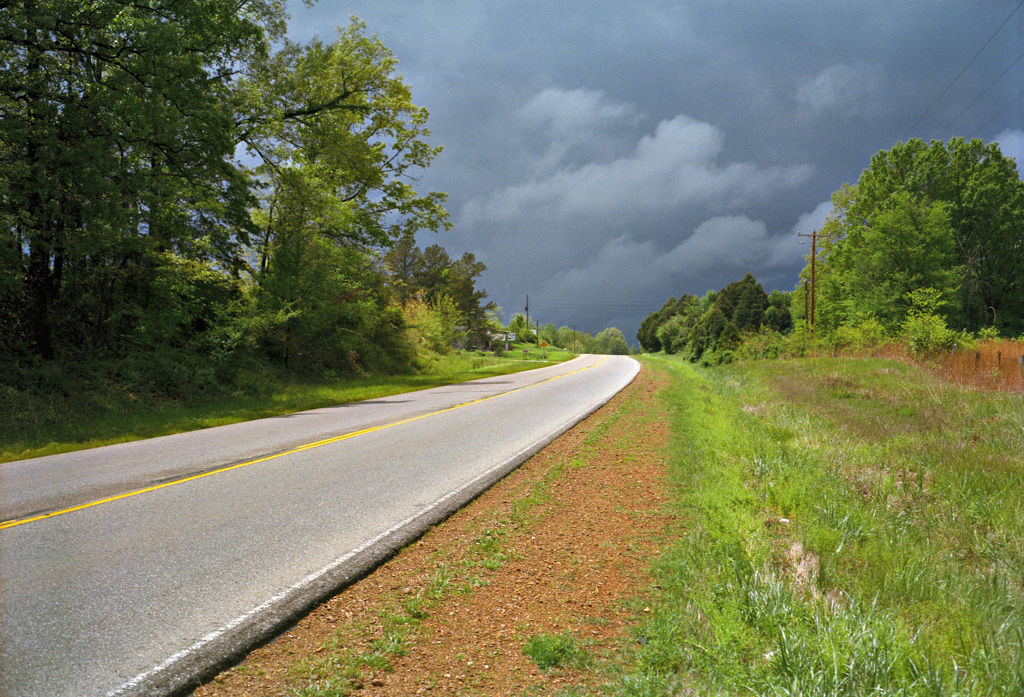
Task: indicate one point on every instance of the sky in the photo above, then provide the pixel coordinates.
(600, 157)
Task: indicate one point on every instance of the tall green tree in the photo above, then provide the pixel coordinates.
(117, 145)
(338, 113)
(339, 142)
(980, 193)
(432, 273)
(904, 247)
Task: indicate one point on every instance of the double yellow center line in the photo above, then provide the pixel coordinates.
(308, 446)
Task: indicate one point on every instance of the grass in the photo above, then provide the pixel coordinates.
(853, 526)
(550, 651)
(991, 365)
(87, 417)
(343, 664)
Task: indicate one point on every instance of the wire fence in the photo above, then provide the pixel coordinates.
(991, 365)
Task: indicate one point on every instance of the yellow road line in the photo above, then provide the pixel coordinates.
(301, 448)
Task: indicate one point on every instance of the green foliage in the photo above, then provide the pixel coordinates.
(862, 334)
(648, 336)
(924, 330)
(134, 238)
(712, 328)
(550, 651)
(117, 141)
(672, 334)
(523, 333)
(610, 341)
(337, 113)
(434, 324)
(778, 316)
(904, 246)
(944, 215)
(431, 273)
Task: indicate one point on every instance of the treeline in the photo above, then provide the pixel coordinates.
(439, 296)
(189, 200)
(709, 329)
(926, 248)
(610, 341)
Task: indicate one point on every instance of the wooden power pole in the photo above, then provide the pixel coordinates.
(814, 255)
(527, 316)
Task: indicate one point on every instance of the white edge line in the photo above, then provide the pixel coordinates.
(316, 575)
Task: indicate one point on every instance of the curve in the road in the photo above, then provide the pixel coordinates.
(308, 446)
(219, 608)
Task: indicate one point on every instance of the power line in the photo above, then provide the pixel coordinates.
(991, 118)
(983, 92)
(921, 117)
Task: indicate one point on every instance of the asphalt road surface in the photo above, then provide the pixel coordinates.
(135, 568)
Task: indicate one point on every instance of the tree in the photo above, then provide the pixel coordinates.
(980, 193)
(904, 246)
(117, 144)
(648, 335)
(431, 273)
(518, 325)
(339, 140)
(339, 114)
(778, 315)
(744, 302)
(611, 341)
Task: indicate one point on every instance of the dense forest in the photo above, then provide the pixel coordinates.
(927, 246)
(188, 198)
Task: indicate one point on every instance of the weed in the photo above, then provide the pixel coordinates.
(551, 651)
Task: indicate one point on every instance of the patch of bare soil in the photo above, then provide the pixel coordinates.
(560, 546)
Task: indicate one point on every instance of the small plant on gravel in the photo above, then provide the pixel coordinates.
(556, 651)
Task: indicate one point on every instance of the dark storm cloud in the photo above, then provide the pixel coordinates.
(602, 156)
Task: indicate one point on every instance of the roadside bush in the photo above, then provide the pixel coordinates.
(763, 344)
(924, 330)
(673, 334)
(865, 333)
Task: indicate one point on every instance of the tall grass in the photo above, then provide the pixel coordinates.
(853, 526)
(993, 365)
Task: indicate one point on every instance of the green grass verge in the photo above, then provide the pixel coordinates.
(550, 651)
(853, 527)
(85, 415)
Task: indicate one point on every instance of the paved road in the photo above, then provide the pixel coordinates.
(237, 529)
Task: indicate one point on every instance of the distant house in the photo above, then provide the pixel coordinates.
(482, 339)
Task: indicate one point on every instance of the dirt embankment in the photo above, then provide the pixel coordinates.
(559, 547)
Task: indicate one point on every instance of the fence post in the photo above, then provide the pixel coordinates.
(977, 360)
(999, 360)
(1020, 360)
(951, 352)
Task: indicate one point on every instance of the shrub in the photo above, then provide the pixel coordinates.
(924, 330)
(865, 333)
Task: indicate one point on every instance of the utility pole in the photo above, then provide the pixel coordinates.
(814, 254)
(574, 338)
(527, 314)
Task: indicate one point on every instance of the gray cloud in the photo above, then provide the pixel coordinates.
(602, 156)
(815, 219)
(846, 91)
(675, 166)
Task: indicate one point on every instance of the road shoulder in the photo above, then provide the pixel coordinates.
(558, 549)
